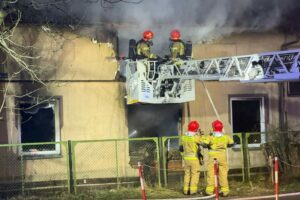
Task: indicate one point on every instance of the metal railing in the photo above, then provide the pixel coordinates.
(25, 168)
(245, 143)
(114, 162)
(78, 165)
(75, 165)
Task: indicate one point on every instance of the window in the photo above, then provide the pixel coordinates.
(294, 88)
(248, 116)
(153, 120)
(39, 123)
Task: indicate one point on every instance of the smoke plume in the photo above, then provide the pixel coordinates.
(198, 20)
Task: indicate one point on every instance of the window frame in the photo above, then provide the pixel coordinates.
(56, 102)
(263, 119)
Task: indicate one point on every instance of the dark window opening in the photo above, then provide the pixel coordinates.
(37, 125)
(246, 118)
(151, 120)
(148, 120)
(294, 88)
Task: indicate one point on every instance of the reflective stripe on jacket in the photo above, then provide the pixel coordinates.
(190, 143)
(217, 144)
(177, 49)
(143, 50)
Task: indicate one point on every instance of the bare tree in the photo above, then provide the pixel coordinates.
(23, 56)
(17, 54)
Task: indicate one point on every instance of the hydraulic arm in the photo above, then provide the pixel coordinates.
(172, 81)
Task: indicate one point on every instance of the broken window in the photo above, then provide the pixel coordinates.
(294, 88)
(153, 120)
(248, 116)
(39, 123)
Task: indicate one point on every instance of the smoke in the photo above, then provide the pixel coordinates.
(198, 20)
(149, 120)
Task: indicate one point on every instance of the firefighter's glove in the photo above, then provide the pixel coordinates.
(230, 145)
(181, 148)
(200, 133)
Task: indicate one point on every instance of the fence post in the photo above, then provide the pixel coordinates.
(164, 160)
(157, 141)
(117, 164)
(245, 157)
(71, 177)
(276, 177)
(22, 171)
(271, 166)
(216, 178)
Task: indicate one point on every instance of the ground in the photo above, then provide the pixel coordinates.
(238, 189)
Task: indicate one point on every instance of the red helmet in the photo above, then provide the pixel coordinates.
(148, 35)
(193, 126)
(217, 126)
(175, 34)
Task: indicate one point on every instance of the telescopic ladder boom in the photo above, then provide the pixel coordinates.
(172, 81)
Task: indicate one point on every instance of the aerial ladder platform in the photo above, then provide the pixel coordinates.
(173, 81)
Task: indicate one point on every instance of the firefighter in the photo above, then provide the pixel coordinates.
(189, 147)
(143, 46)
(217, 144)
(2, 15)
(3, 12)
(177, 46)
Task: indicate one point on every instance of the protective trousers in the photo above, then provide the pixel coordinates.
(223, 172)
(191, 176)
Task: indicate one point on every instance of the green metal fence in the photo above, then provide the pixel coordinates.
(78, 165)
(171, 157)
(247, 146)
(113, 163)
(24, 168)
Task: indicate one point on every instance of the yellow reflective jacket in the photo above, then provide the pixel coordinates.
(217, 144)
(3, 14)
(143, 50)
(190, 143)
(177, 49)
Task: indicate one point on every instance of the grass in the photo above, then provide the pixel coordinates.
(262, 186)
(257, 187)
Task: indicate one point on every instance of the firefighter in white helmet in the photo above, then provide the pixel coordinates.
(217, 144)
(189, 147)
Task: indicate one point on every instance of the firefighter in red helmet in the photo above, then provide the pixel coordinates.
(189, 147)
(177, 46)
(217, 144)
(143, 50)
